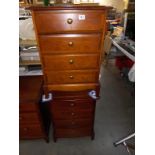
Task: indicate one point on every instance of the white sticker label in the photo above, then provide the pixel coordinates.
(82, 17)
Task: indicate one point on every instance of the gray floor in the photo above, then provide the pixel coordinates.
(114, 120)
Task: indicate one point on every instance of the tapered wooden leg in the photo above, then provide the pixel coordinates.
(47, 139)
(97, 91)
(55, 139)
(93, 136)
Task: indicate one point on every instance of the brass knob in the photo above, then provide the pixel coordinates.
(25, 129)
(73, 123)
(71, 61)
(71, 77)
(72, 104)
(70, 43)
(69, 21)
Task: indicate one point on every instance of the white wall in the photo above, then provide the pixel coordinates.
(118, 4)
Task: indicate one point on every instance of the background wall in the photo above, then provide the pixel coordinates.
(120, 5)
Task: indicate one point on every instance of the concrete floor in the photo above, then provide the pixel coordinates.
(114, 119)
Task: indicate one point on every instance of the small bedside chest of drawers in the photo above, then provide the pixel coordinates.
(31, 119)
(72, 114)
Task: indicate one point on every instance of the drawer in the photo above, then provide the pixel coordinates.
(72, 104)
(80, 123)
(57, 22)
(72, 87)
(25, 118)
(71, 77)
(30, 131)
(71, 62)
(74, 95)
(62, 133)
(70, 43)
(72, 114)
(28, 107)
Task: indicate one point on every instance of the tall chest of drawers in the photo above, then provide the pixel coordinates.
(70, 40)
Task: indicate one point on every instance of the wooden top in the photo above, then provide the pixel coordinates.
(68, 7)
(30, 88)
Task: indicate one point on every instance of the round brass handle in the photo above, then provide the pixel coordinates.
(70, 43)
(69, 21)
(25, 129)
(71, 61)
(73, 123)
(71, 77)
(72, 104)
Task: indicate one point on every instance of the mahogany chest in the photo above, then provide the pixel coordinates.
(32, 123)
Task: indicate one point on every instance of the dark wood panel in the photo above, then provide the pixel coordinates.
(72, 114)
(74, 95)
(84, 104)
(28, 107)
(31, 131)
(70, 43)
(25, 118)
(80, 123)
(31, 122)
(28, 92)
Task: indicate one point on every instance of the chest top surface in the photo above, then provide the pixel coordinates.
(29, 88)
(69, 7)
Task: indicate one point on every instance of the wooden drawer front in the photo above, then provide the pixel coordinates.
(74, 95)
(69, 77)
(72, 114)
(30, 131)
(56, 22)
(28, 107)
(73, 123)
(73, 132)
(71, 62)
(72, 104)
(70, 43)
(28, 118)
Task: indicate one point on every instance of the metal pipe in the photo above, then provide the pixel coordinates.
(124, 139)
